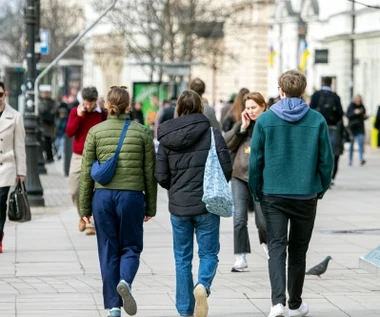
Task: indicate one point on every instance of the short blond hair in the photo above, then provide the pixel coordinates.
(293, 83)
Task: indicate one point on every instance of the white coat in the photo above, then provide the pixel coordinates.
(12, 146)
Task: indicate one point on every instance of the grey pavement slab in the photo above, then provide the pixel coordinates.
(49, 268)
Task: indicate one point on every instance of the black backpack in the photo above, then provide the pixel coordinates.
(328, 107)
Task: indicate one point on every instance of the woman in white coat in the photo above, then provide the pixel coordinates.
(12, 154)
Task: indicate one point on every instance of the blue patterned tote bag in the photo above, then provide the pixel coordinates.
(216, 192)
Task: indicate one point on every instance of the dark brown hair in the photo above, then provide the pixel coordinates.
(117, 101)
(189, 102)
(258, 98)
(239, 105)
(90, 94)
(293, 83)
(198, 86)
(2, 85)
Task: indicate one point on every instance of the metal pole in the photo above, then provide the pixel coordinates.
(75, 41)
(32, 182)
(352, 42)
(41, 161)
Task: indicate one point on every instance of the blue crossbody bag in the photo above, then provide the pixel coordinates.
(102, 173)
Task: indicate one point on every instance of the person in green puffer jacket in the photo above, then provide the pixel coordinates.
(121, 206)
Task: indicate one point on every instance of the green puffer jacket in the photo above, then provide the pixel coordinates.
(135, 166)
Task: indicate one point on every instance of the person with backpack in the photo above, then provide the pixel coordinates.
(328, 103)
(82, 118)
(48, 111)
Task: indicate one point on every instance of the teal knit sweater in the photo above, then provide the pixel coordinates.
(290, 158)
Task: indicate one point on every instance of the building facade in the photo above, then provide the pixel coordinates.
(329, 38)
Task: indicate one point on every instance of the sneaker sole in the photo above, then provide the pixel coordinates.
(235, 270)
(129, 303)
(299, 315)
(201, 306)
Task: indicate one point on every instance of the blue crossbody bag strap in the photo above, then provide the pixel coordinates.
(122, 137)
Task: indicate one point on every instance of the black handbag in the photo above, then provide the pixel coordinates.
(18, 207)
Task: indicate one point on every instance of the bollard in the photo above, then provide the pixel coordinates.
(68, 151)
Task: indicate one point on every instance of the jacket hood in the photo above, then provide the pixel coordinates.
(183, 132)
(290, 109)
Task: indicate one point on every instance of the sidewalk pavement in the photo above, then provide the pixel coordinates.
(48, 268)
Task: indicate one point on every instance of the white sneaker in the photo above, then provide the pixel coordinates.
(240, 263)
(277, 311)
(303, 310)
(265, 247)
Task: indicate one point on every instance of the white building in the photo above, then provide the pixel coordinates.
(342, 29)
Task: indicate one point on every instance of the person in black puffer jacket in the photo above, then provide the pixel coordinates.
(184, 145)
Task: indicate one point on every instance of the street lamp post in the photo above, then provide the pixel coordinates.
(33, 183)
(41, 161)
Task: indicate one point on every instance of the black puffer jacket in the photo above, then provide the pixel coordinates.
(181, 160)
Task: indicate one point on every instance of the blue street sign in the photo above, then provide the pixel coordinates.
(45, 41)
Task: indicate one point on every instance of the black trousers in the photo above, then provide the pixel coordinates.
(49, 148)
(336, 163)
(3, 208)
(301, 214)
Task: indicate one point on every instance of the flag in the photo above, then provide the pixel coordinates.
(304, 55)
(272, 55)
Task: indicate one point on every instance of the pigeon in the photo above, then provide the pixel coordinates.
(320, 268)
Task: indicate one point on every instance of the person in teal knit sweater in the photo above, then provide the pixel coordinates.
(290, 168)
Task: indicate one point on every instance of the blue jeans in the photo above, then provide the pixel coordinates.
(206, 229)
(119, 217)
(360, 138)
(60, 144)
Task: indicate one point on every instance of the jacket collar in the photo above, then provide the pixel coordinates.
(123, 116)
(6, 118)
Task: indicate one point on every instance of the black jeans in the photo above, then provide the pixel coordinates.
(278, 212)
(3, 208)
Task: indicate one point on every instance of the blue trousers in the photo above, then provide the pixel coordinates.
(206, 229)
(360, 138)
(119, 217)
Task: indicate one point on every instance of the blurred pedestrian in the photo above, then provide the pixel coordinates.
(377, 126)
(238, 140)
(234, 114)
(290, 168)
(61, 123)
(199, 87)
(327, 102)
(137, 113)
(226, 108)
(82, 118)
(48, 110)
(121, 206)
(12, 154)
(356, 114)
(181, 159)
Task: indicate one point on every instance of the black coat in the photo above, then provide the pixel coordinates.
(181, 160)
(356, 121)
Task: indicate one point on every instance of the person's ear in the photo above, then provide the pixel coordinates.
(282, 94)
